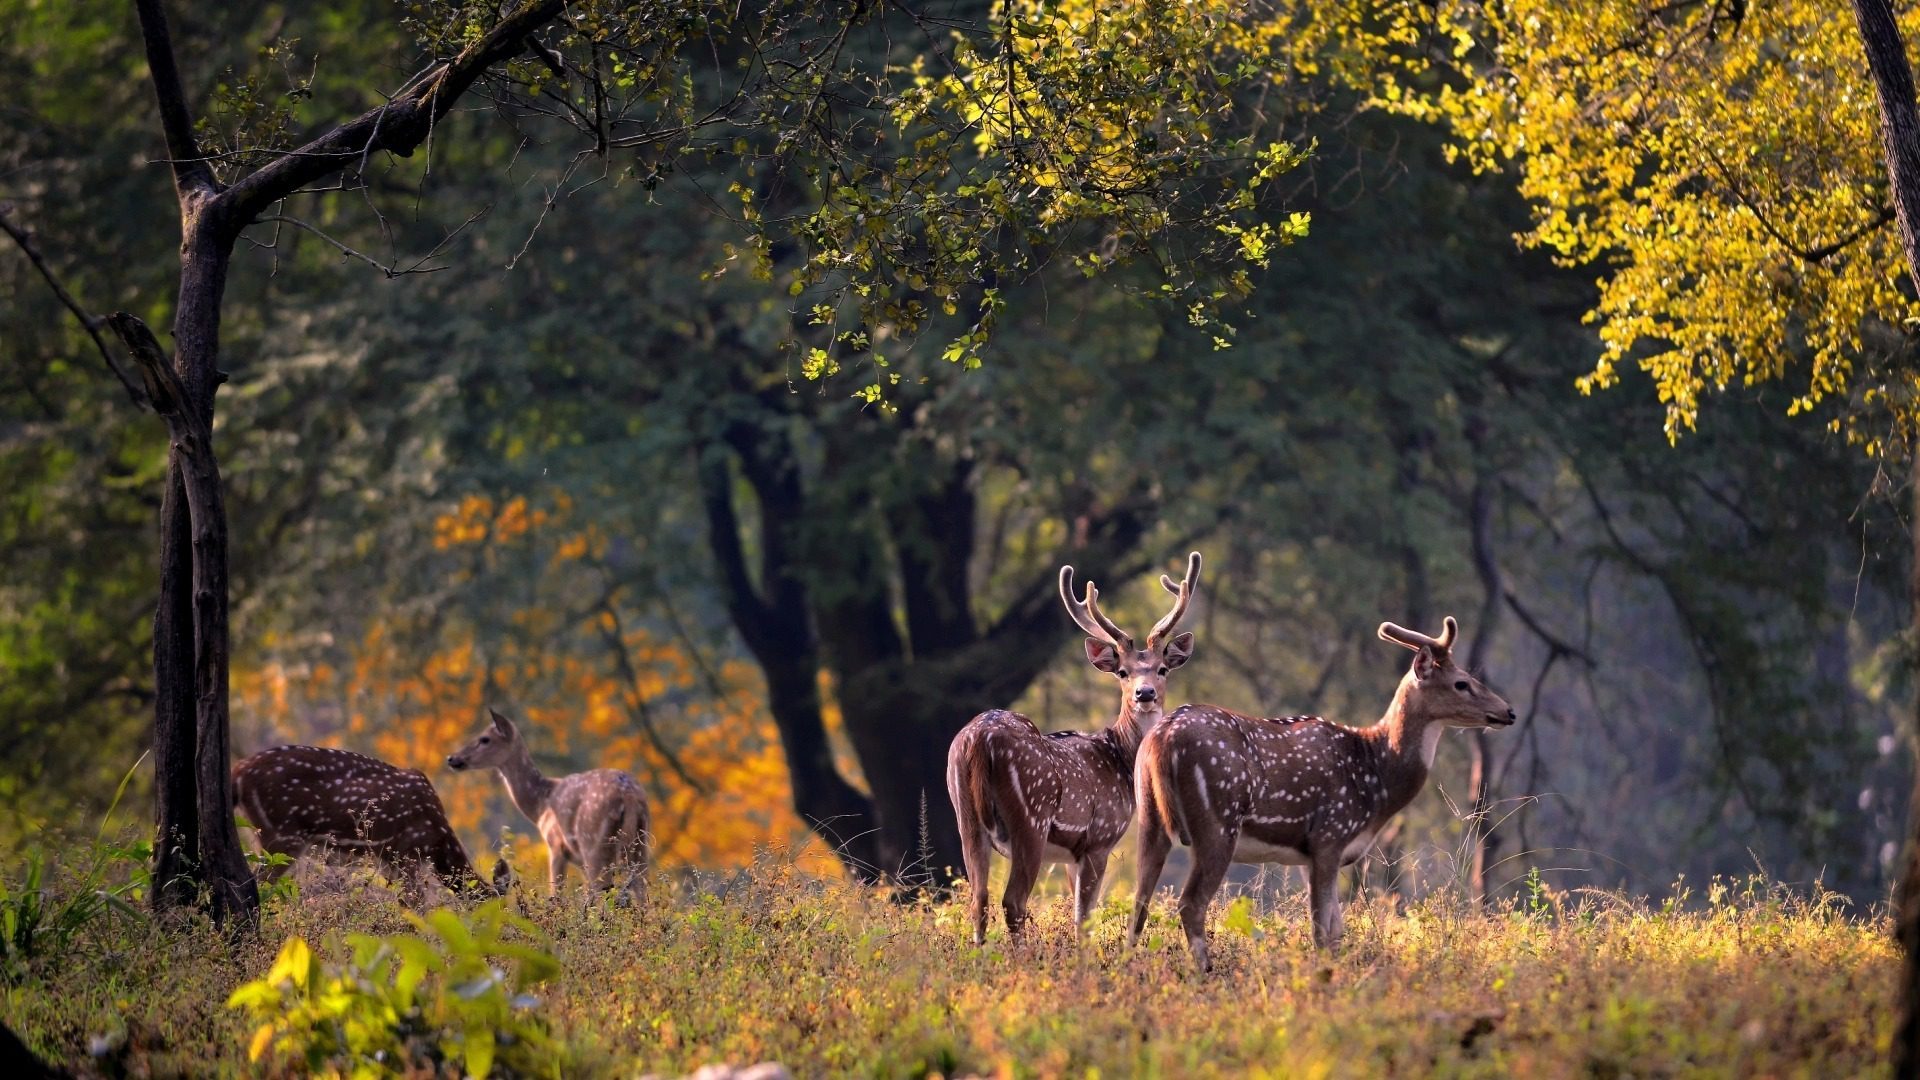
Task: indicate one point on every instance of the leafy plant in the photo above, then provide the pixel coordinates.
(443, 996)
(34, 922)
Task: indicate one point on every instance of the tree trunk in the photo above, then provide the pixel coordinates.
(1481, 833)
(1906, 1037)
(176, 849)
(1900, 134)
(775, 622)
(182, 392)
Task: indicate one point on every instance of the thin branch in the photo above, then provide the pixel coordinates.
(1556, 645)
(419, 265)
(87, 322)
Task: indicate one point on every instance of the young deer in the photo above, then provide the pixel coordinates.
(337, 802)
(1295, 790)
(596, 818)
(1066, 796)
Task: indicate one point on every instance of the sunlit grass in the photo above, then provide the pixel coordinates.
(773, 964)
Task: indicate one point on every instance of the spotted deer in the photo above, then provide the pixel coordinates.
(339, 804)
(1297, 790)
(596, 818)
(1063, 796)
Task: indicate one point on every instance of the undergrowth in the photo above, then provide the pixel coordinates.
(1743, 978)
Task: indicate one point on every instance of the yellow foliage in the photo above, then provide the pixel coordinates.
(1723, 169)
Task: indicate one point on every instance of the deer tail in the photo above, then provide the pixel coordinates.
(1159, 803)
(969, 790)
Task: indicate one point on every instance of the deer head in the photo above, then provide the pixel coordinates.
(1436, 690)
(1142, 672)
(497, 743)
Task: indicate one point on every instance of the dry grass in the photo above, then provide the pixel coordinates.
(836, 980)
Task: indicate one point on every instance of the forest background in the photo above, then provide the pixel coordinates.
(543, 447)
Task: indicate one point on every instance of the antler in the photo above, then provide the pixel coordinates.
(1414, 639)
(1088, 615)
(1184, 591)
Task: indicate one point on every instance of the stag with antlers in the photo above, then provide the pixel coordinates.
(1063, 796)
(339, 804)
(1297, 790)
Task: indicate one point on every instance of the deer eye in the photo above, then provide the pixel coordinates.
(1163, 670)
(1461, 685)
(485, 740)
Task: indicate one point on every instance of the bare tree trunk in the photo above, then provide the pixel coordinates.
(1480, 833)
(1906, 1037)
(219, 865)
(1900, 133)
(176, 806)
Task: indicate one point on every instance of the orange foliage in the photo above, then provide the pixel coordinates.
(733, 801)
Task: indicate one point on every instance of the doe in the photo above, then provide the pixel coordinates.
(596, 818)
(1298, 789)
(1063, 796)
(342, 804)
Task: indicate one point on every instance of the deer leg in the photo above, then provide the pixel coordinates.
(556, 869)
(976, 853)
(598, 868)
(1088, 875)
(634, 859)
(1212, 854)
(1154, 844)
(1024, 849)
(1323, 880)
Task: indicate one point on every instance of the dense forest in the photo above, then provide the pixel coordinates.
(581, 422)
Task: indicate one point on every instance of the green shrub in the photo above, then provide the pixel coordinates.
(453, 996)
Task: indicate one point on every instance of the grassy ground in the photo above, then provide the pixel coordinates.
(833, 980)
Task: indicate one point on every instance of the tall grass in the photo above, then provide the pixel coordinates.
(1743, 978)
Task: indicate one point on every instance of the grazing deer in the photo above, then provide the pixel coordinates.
(1296, 790)
(596, 818)
(1065, 796)
(337, 802)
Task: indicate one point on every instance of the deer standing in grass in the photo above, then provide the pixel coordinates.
(1296, 790)
(338, 803)
(1065, 796)
(596, 818)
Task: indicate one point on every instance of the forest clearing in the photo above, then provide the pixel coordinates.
(624, 537)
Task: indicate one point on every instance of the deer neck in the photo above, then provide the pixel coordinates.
(1131, 726)
(1407, 738)
(525, 786)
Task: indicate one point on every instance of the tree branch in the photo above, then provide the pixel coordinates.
(192, 176)
(396, 127)
(87, 322)
(164, 389)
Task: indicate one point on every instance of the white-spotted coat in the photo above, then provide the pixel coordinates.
(1062, 797)
(338, 803)
(1298, 790)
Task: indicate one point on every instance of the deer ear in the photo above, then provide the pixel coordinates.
(1426, 661)
(1102, 655)
(1179, 650)
(501, 724)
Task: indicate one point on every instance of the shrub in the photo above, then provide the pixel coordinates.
(453, 996)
